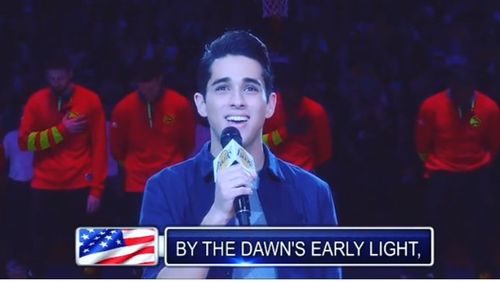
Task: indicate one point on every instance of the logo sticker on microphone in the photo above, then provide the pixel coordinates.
(224, 158)
(233, 152)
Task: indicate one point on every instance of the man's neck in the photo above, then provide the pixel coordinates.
(66, 93)
(151, 99)
(462, 98)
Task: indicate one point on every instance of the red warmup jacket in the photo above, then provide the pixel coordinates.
(147, 137)
(450, 141)
(309, 150)
(65, 161)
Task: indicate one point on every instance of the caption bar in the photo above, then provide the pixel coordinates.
(255, 246)
(299, 246)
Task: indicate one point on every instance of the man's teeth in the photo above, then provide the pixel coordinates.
(237, 118)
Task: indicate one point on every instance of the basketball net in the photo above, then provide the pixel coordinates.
(274, 8)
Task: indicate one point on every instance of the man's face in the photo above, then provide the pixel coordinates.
(461, 85)
(150, 89)
(461, 92)
(236, 96)
(59, 80)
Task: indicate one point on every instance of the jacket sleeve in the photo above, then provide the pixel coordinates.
(38, 140)
(275, 130)
(164, 203)
(424, 131)
(4, 150)
(276, 137)
(328, 218)
(118, 134)
(322, 137)
(98, 150)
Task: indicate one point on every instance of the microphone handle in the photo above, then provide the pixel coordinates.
(242, 209)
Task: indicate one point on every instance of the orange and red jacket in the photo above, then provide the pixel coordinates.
(147, 137)
(64, 161)
(449, 140)
(308, 150)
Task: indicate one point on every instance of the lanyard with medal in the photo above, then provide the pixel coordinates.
(149, 108)
(150, 114)
(474, 120)
(64, 99)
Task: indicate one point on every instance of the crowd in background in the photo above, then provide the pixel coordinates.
(369, 63)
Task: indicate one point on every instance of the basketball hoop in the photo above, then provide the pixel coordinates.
(274, 8)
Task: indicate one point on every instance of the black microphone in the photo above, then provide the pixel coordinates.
(241, 203)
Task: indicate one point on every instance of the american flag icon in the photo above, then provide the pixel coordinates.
(111, 246)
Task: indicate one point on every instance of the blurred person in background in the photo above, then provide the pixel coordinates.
(64, 126)
(457, 139)
(153, 127)
(299, 131)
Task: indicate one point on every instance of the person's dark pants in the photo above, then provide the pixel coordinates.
(3, 221)
(17, 220)
(131, 215)
(132, 208)
(110, 209)
(459, 207)
(54, 218)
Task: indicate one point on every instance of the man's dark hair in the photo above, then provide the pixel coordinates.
(147, 69)
(235, 43)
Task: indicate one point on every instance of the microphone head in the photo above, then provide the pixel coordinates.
(229, 133)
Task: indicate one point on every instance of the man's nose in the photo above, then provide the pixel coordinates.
(238, 100)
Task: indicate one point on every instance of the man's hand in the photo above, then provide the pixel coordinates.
(93, 204)
(231, 182)
(74, 125)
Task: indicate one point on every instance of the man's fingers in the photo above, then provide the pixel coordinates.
(231, 189)
(77, 125)
(245, 190)
(79, 120)
(240, 176)
(236, 179)
(238, 183)
(237, 171)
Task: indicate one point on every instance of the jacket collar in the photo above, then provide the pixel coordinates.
(143, 98)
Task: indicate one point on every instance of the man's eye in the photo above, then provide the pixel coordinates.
(251, 88)
(221, 88)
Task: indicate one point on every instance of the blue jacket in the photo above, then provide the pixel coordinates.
(182, 195)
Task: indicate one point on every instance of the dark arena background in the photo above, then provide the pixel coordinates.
(370, 64)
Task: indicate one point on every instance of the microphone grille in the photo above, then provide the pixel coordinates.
(229, 133)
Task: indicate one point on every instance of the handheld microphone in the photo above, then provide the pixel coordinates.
(241, 203)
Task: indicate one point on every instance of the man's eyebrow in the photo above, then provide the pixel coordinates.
(252, 80)
(220, 80)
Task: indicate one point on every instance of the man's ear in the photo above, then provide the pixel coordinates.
(271, 105)
(199, 100)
